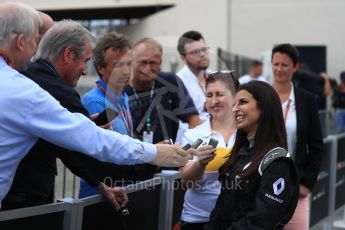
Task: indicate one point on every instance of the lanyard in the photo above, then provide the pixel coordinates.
(6, 58)
(148, 120)
(286, 110)
(151, 93)
(128, 121)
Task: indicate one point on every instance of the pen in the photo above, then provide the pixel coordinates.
(171, 142)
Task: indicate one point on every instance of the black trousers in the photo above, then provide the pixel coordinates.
(42, 222)
(192, 226)
(23, 200)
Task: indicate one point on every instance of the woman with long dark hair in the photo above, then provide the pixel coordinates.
(259, 180)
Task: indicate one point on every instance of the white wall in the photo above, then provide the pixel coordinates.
(258, 25)
(208, 17)
(254, 26)
(247, 27)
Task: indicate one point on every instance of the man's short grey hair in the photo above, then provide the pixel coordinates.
(17, 18)
(150, 42)
(64, 34)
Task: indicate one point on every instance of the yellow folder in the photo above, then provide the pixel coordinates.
(218, 160)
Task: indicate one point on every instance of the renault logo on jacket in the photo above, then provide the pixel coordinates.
(279, 186)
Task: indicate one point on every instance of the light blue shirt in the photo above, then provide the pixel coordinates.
(95, 101)
(28, 113)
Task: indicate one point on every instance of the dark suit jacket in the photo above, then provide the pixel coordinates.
(35, 175)
(309, 146)
(173, 104)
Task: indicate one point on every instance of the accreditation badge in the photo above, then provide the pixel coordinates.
(148, 137)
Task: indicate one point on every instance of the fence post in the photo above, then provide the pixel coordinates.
(339, 182)
(166, 203)
(73, 216)
(332, 178)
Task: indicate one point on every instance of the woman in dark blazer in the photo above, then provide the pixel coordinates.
(303, 128)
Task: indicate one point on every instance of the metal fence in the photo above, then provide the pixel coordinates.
(157, 203)
(151, 206)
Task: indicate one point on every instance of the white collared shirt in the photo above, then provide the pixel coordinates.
(196, 92)
(291, 122)
(198, 95)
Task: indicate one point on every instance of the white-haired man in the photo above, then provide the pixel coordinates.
(30, 113)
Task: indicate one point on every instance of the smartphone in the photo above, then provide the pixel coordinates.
(213, 142)
(194, 145)
(197, 143)
(105, 117)
(186, 147)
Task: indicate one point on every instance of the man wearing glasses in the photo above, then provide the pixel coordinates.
(157, 99)
(194, 54)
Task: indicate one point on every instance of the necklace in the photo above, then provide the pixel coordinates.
(251, 141)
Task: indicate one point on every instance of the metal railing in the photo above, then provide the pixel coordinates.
(328, 198)
(157, 201)
(74, 209)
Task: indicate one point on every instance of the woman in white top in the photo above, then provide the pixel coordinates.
(201, 174)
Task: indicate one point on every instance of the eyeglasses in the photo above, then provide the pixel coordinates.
(152, 64)
(198, 51)
(231, 73)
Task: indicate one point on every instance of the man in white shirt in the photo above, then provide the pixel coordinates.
(30, 113)
(255, 73)
(194, 53)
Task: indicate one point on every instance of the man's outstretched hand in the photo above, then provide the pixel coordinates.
(116, 195)
(171, 156)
